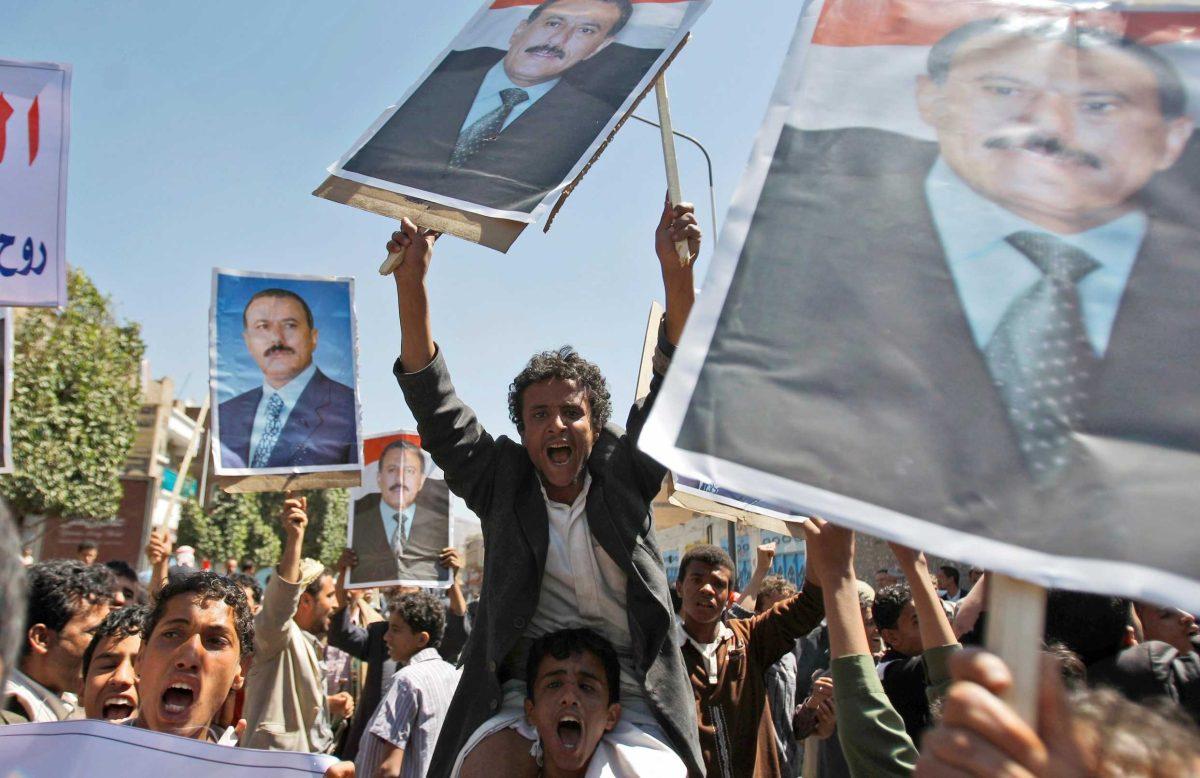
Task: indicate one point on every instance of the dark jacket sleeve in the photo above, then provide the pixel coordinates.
(774, 632)
(451, 433)
(648, 472)
(347, 636)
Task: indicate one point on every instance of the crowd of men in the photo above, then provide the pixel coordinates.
(580, 657)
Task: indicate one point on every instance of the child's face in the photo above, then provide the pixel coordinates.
(570, 709)
(402, 642)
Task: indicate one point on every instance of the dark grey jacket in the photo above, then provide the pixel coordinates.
(500, 484)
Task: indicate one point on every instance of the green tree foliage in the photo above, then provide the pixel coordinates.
(76, 396)
(247, 525)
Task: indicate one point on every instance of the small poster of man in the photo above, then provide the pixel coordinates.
(284, 374)
(400, 517)
(956, 302)
(519, 102)
(35, 119)
(6, 368)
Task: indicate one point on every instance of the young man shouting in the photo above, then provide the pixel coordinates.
(568, 538)
(109, 678)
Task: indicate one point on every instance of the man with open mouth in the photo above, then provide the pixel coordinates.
(109, 678)
(568, 530)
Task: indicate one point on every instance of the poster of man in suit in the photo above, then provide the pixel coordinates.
(400, 517)
(519, 102)
(284, 374)
(958, 301)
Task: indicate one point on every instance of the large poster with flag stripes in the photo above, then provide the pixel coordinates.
(35, 117)
(955, 302)
(518, 103)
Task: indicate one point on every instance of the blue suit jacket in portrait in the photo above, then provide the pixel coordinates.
(320, 430)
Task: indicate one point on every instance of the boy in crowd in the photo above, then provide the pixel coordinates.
(399, 740)
(727, 661)
(109, 677)
(572, 697)
(67, 601)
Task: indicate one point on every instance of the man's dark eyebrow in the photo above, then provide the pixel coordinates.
(1000, 77)
(1114, 93)
(593, 676)
(552, 673)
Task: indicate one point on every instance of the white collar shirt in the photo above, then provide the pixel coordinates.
(289, 393)
(487, 99)
(708, 651)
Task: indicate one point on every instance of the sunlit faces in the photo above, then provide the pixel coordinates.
(564, 34)
(571, 710)
(401, 476)
(279, 338)
(1061, 136)
(315, 612)
(402, 642)
(906, 636)
(188, 665)
(704, 590)
(109, 689)
(1170, 625)
(558, 434)
(62, 670)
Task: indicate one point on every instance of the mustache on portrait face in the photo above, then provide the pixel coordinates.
(546, 48)
(1049, 145)
(278, 348)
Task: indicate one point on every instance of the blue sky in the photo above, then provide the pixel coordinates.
(200, 129)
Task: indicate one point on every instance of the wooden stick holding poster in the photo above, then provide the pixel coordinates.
(1016, 620)
(674, 191)
(193, 443)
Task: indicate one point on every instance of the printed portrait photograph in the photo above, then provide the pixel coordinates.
(518, 101)
(967, 291)
(400, 517)
(284, 374)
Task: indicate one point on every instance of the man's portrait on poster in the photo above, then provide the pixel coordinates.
(399, 531)
(296, 415)
(503, 128)
(1017, 293)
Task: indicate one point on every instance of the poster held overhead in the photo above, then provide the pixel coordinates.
(911, 230)
(400, 517)
(35, 121)
(511, 113)
(284, 380)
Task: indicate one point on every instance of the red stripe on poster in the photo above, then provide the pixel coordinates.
(5, 112)
(373, 447)
(924, 22)
(514, 3)
(35, 126)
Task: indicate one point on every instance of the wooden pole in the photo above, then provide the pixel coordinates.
(672, 163)
(1016, 619)
(197, 433)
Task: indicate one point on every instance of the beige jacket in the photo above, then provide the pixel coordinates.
(285, 688)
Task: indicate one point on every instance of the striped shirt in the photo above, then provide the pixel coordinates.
(410, 715)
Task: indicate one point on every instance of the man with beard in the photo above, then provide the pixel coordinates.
(286, 707)
(299, 416)
(568, 529)
(109, 676)
(399, 533)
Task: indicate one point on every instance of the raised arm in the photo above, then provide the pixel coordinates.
(158, 554)
(931, 617)
(676, 224)
(415, 245)
(451, 559)
(282, 595)
(762, 566)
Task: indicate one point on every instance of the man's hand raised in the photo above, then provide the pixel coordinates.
(829, 553)
(414, 245)
(675, 225)
(295, 517)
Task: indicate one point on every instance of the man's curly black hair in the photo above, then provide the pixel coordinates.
(889, 601)
(572, 642)
(422, 612)
(564, 364)
(118, 625)
(59, 590)
(208, 587)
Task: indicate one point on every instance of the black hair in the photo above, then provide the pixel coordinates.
(87, 545)
(248, 582)
(1091, 625)
(625, 6)
(121, 569)
(277, 293)
(207, 586)
(118, 625)
(314, 587)
(403, 445)
(59, 589)
(889, 601)
(1172, 95)
(573, 642)
(950, 572)
(565, 364)
(422, 612)
(714, 556)
(12, 598)
(246, 565)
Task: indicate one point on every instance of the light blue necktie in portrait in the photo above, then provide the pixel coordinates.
(270, 436)
(1040, 357)
(487, 127)
(399, 536)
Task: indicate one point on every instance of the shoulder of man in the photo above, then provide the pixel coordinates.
(470, 59)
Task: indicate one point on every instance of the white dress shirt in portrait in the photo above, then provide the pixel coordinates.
(289, 393)
(487, 99)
